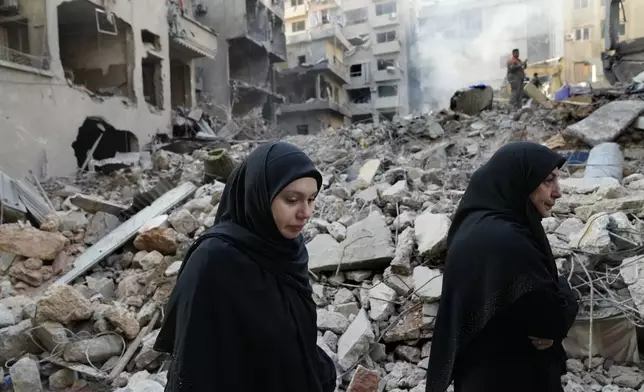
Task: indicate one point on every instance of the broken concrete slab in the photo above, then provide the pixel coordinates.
(431, 232)
(586, 185)
(100, 225)
(355, 342)
(428, 283)
(93, 205)
(368, 171)
(368, 244)
(381, 302)
(595, 237)
(95, 350)
(332, 321)
(634, 202)
(607, 122)
(62, 303)
(25, 376)
(28, 241)
(401, 263)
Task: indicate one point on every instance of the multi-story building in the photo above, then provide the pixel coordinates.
(312, 79)
(466, 42)
(91, 77)
(584, 35)
(241, 78)
(379, 65)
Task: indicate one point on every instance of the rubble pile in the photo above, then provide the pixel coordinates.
(376, 245)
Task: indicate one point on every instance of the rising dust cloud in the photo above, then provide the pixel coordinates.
(470, 46)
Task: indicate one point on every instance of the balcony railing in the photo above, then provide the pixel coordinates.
(29, 60)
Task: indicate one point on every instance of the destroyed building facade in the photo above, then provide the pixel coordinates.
(89, 75)
(584, 36)
(241, 79)
(379, 63)
(312, 79)
(478, 36)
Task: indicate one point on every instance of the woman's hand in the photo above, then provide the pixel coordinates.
(541, 344)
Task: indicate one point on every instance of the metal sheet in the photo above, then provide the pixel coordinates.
(10, 197)
(118, 237)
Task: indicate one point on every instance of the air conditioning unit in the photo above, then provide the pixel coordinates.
(9, 5)
(570, 36)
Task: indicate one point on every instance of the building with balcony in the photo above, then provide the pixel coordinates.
(584, 36)
(465, 42)
(251, 40)
(379, 65)
(82, 79)
(312, 79)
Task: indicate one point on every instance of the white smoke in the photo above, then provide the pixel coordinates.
(464, 43)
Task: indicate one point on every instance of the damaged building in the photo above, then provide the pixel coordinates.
(379, 63)
(241, 80)
(88, 79)
(313, 78)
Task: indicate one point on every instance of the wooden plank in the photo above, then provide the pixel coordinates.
(125, 359)
(128, 229)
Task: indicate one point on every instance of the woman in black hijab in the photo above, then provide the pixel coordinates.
(241, 317)
(504, 311)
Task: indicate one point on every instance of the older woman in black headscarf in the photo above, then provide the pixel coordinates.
(241, 317)
(504, 310)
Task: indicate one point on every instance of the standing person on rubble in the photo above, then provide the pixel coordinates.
(241, 317)
(516, 75)
(504, 310)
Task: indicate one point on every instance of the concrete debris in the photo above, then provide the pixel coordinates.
(607, 122)
(376, 247)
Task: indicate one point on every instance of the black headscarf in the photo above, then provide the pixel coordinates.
(497, 251)
(244, 216)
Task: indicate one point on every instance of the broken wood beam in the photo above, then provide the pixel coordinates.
(131, 349)
(218, 165)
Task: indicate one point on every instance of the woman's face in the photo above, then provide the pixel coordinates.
(546, 194)
(293, 206)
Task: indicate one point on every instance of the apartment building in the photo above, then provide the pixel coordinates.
(379, 63)
(251, 40)
(81, 77)
(312, 79)
(584, 35)
(465, 42)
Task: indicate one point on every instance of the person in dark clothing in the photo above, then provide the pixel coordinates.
(504, 310)
(241, 316)
(536, 81)
(515, 76)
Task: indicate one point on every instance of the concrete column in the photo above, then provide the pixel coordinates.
(318, 88)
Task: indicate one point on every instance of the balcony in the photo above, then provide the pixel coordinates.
(385, 20)
(386, 47)
(386, 102)
(335, 67)
(385, 75)
(357, 30)
(190, 37)
(360, 109)
(318, 33)
(317, 104)
(294, 12)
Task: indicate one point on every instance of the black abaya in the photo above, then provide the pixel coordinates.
(241, 316)
(500, 284)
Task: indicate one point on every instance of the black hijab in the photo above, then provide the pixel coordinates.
(244, 217)
(497, 251)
